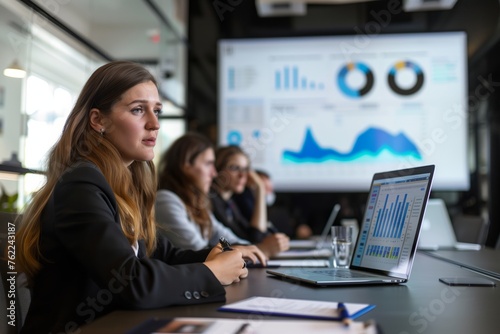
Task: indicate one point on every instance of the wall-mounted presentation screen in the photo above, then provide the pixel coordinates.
(326, 113)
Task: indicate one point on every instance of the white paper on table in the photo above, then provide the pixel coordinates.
(304, 254)
(296, 308)
(299, 263)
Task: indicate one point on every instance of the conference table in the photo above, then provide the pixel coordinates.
(485, 261)
(423, 305)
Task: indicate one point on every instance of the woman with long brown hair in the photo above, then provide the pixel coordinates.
(185, 173)
(88, 240)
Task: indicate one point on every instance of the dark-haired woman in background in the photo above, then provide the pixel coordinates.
(233, 175)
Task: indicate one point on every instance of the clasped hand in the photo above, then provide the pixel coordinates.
(229, 266)
(275, 243)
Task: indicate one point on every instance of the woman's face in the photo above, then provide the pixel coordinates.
(236, 172)
(133, 124)
(202, 169)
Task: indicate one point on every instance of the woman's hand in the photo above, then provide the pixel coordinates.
(274, 244)
(303, 231)
(227, 266)
(255, 182)
(252, 253)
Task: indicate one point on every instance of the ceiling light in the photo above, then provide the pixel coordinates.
(14, 70)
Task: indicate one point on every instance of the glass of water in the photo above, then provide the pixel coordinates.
(342, 245)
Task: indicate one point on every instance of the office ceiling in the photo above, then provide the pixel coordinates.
(131, 28)
(9, 22)
(120, 29)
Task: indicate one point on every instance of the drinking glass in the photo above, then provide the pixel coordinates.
(342, 245)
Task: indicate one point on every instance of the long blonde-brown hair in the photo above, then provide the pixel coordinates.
(134, 186)
(171, 176)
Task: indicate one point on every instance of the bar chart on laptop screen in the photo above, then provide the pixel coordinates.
(394, 223)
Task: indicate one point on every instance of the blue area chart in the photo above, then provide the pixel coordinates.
(370, 143)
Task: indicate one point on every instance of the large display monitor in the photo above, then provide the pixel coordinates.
(326, 113)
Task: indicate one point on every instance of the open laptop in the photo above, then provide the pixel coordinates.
(320, 241)
(437, 230)
(389, 232)
(317, 248)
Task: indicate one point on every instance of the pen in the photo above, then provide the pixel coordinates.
(344, 314)
(226, 246)
(271, 228)
(242, 328)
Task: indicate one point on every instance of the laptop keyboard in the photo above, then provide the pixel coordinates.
(341, 273)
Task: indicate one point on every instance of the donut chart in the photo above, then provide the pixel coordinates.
(234, 138)
(342, 79)
(391, 78)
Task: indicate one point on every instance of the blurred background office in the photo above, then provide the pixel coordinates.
(186, 44)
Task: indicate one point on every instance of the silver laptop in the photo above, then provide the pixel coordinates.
(389, 232)
(320, 241)
(437, 230)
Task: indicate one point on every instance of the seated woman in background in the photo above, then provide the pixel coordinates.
(182, 208)
(88, 239)
(279, 216)
(234, 174)
(245, 201)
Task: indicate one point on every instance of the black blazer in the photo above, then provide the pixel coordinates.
(90, 269)
(228, 214)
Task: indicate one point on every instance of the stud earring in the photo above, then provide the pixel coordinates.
(102, 131)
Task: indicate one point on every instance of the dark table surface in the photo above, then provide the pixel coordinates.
(486, 261)
(423, 305)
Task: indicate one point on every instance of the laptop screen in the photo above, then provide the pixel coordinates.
(391, 223)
